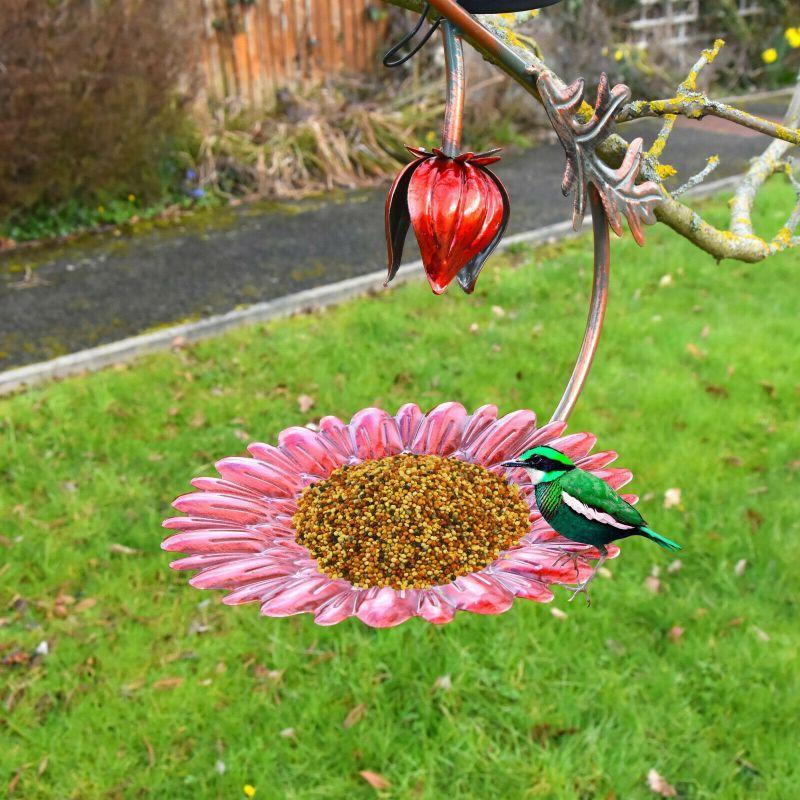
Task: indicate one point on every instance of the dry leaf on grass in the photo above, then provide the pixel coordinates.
(305, 402)
(675, 633)
(443, 683)
(355, 715)
(375, 779)
(694, 351)
(761, 634)
(672, 498)
(122, 550)
(167, 683)
(652, 584)
(658, 785)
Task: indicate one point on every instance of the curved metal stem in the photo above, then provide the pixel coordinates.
(597, 309)
(509, 60)
(456, 87)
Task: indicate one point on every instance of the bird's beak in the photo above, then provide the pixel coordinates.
(512, 464)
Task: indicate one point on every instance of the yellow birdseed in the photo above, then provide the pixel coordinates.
(409, 521)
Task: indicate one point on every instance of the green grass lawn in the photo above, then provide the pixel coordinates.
(153, 689)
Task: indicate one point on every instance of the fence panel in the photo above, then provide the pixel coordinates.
(252, 47)
(677, 25)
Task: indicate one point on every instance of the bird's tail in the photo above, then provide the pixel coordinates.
(667, 544)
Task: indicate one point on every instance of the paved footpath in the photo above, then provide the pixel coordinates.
(108, 288)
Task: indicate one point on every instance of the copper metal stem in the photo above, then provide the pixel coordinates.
(597, 308)
(516, 66)
(456, 83)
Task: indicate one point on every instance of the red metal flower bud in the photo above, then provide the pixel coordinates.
(459, 211)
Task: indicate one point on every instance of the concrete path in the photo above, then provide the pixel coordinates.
(109, 288)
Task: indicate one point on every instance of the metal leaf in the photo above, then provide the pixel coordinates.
(618, 189)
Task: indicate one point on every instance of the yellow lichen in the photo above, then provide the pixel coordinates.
(665, 171)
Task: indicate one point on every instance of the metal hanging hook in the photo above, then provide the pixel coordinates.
(597, 309)
(387, 59)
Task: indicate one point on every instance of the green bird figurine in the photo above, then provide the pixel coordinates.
(581, 507)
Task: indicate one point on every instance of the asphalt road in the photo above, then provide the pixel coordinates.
(108, 287)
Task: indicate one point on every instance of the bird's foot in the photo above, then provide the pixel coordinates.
(581, 588)
(567, 557)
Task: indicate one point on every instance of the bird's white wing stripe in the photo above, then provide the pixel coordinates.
(592, 513)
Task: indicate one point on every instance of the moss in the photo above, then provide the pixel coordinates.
(198, 221)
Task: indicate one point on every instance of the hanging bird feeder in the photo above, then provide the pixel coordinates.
(393, 516)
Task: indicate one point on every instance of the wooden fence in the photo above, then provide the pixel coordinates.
(251, 47)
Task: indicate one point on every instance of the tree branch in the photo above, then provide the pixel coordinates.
(493, 36)
(691, 103)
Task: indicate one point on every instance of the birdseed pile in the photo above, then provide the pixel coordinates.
(409, 521)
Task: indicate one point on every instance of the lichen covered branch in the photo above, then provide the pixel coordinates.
(692, 103)
(772, 161)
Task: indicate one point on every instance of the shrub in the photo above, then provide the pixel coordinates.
(92, 95)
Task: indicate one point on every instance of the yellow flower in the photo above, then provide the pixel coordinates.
(793, 37)
(249, 790)
(131, 198)
(618, 55)
(769, 56)
(100, 209)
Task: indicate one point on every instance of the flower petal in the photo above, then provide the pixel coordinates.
(223, 507)
(375, 434)
(546, 565)
(250, 592)
(523, 586)
(408, 419)
(223, 487)
(302, 594)
(338, 608)
(273, 457)
(338, 434)
(615, 478)
(596, 460)
(385, 607)
(441, 430)
(259, 477)
(477, 424)
(397, 218)
(215, 541)
(468, 275)
(478, 593)
(576, 445)
(238, 571)
(547, 433)
(206, 560)
(198, 523)
(433, 607)
(309, 451)
(503, 439)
